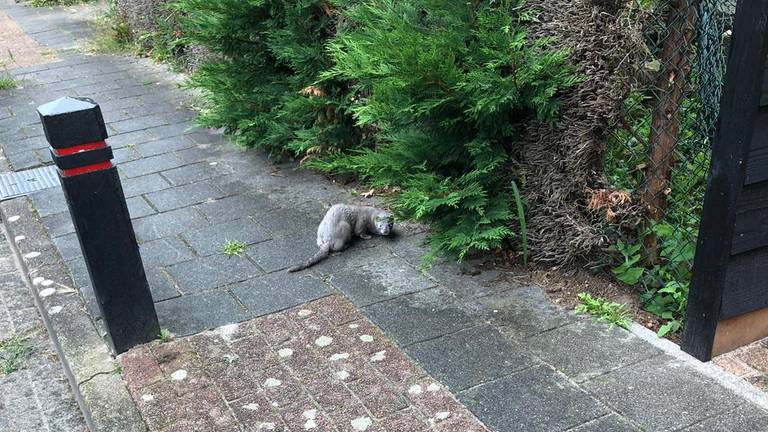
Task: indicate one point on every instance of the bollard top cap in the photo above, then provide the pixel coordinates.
(70, 121)
(66, 105)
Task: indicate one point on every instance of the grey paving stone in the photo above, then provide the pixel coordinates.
(600, 349)
(533, 400)
(211, 240)
(524, 311)
(193, 313)
(82, 280)
(165, 145)
(143, 185)
(171, 130)
(160, 285)
(236, 184)
(125, 154)
(470, 357)
(150, 165)
(24, 145)
(379, 280)
(49, 201)
(746, 418)
(93, 90)
(196, 172)
(280, 253)
(204, 136)
(236, 206)
(59, 224)
(183, 196)
(130, 139)
(164, 252)
(198, 154)
(418, 317)
(665, 394)
(609, 423)
(291, 223)
(211, 272)
(68, 246)
(14, 294)
(138, 207)
(139, 123)
(24, 160)
(167, 224)
(278, 291)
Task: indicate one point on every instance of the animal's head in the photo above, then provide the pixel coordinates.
(384, 222)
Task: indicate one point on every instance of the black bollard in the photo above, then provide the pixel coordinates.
(75, 130)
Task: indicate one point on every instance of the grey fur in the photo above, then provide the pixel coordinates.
(341, 223)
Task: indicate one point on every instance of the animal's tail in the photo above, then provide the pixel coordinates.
(322, 254)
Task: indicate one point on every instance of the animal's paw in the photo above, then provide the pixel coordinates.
(365, 236)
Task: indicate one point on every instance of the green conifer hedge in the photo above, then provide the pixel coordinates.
(423, 96)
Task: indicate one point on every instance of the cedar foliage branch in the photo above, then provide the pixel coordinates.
(426, 97)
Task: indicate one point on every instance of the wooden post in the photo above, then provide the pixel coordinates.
(667, 110)
(728, 294)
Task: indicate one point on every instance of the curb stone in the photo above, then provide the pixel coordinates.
(101, 393)
(727, 380)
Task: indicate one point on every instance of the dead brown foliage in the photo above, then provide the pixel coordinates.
(560, 165)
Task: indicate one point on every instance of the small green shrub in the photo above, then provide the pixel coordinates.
(263, 85)
(446, 86)
(604, 311)
(420, 97)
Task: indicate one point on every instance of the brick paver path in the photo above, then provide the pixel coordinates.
(319, 367)
(516, 361)
(20, 50)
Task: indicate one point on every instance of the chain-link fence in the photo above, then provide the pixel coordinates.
(659, 150)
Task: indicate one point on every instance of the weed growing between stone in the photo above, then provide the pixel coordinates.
(233, 247)
(604, 311)
(7, 82)
(13, 353)
(165, 336)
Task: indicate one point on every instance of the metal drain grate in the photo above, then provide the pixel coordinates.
(20, 183)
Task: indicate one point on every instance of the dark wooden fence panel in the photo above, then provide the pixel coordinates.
(724, 285)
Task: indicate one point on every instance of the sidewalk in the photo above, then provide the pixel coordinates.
(35, 393)
(440, 350)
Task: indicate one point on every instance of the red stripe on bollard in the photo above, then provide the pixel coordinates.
(79, 148)
(86, 169)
